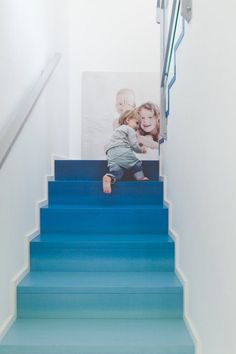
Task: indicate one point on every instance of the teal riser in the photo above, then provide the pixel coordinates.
(70, 257)
(104, 220)
(101, 260)
(70, 305)
(90, 192)
(100, 295)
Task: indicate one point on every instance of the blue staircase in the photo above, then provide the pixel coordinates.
(101, 277)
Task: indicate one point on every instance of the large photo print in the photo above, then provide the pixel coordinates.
(105, 97)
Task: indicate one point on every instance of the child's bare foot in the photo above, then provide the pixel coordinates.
(143, 179)
(106, 184)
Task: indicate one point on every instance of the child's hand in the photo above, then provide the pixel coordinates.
(148, 141)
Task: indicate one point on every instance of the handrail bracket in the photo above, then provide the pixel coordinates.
(187, 9)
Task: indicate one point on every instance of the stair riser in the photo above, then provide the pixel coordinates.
(97, 305)
(88, 193)
(82, 260)
(101, 220)
(94, 170)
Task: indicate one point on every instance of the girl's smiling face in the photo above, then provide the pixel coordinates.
(149, 122)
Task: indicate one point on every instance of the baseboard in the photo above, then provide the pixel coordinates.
(22, 273)
(15, 281)
(6, 325)
(187, 318)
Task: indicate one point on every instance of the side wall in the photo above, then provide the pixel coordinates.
(199, 162)
(105, 35)
(30, 34)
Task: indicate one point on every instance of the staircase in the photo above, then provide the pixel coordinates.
(101, 277)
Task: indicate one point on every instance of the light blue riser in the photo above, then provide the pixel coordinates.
(43, 336)
(94, 170)
(100, 295)
(69, 305)
(104, 220)
(88, 254)
(90, 192)
(101, 260)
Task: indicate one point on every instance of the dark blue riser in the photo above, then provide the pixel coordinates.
(104, 220)
(90, 192)
(51, 257)
(94, 170)
(69, 305)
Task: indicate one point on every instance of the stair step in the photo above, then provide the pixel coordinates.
(125, 219)
(99, 282)
(100, 295)
(102, 275)
(84, 336)
(94, 169)
(105, 240)
(90, 192)
(75, 252)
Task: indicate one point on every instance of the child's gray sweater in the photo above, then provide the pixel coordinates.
(124, 137)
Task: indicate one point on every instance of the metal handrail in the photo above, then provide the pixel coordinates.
(169, 45)
(173, 79)
(12, 130)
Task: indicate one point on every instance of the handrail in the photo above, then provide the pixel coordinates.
(169, 45)
(172, 81)
(10, 133)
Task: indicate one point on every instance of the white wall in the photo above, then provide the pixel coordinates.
(199, 162)
(30, 33)
(105, 35)
(97, 36)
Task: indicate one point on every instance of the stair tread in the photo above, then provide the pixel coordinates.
(122, 282)
(108, 336)
(113, 208)
(99, 181)
(103, 239)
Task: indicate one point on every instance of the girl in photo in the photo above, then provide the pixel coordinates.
(149, 128)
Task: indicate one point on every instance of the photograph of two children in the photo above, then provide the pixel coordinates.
(105, 97)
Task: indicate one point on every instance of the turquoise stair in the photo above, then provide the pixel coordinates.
(101, 274)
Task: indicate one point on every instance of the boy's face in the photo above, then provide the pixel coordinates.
(133, 123)
(124, 102)
(148, 120)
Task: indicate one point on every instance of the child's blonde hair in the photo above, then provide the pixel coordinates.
(127, 115)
